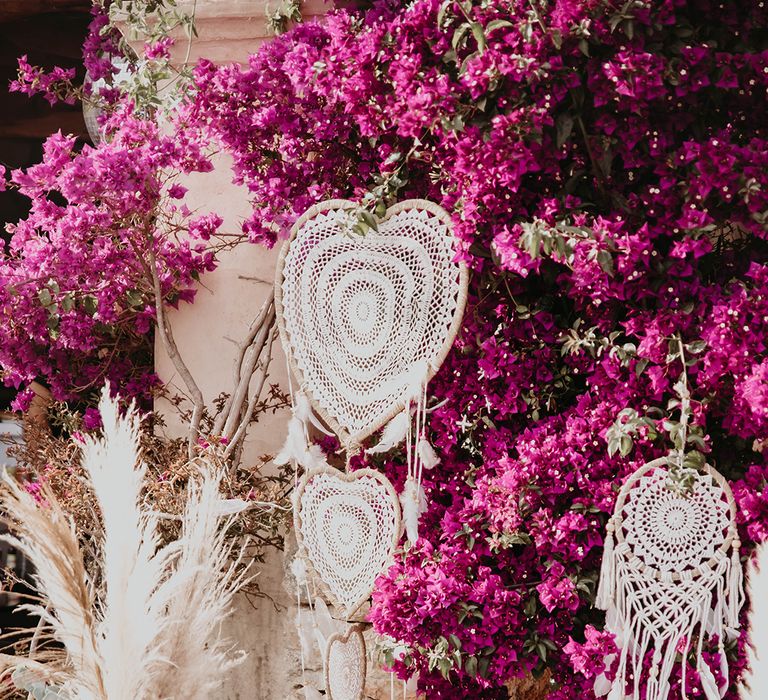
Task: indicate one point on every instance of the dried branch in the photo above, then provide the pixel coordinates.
(172, 350)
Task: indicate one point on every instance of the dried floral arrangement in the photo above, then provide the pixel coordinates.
(142, 619)
(50, 461)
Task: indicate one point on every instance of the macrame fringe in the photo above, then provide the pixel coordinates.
(607, 584)
(714, 609)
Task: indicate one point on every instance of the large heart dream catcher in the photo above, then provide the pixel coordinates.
(358, 313)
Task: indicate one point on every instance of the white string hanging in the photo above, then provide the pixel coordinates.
(671, 578)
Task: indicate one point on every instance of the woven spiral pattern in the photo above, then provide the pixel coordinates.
(348, 527)
(671, 532)
(357, 312)
(345, 665)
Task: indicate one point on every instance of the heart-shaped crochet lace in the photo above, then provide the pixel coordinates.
(358, 313)
(345, 665)
(347, 527)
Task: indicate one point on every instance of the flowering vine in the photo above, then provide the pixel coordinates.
(606, 166)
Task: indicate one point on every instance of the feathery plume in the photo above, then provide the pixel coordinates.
(154, 629)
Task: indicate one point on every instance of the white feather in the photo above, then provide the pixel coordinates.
(413, 503)
(417, 378)
(296, 449)
(427, 454)
(299, 570)
(393, 434)
(303, 411)
(295, 446)
(756, 684)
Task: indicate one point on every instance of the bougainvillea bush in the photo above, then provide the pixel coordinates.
(606, 166)
(77, 295)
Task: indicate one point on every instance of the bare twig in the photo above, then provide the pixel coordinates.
(172, 350)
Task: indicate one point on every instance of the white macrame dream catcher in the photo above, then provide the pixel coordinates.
(347, 528)
(671, 575)
(365, 322)
(361, 317)
(346, 665)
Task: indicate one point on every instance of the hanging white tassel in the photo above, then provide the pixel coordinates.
(414, 503)
(427, 454)
(735, 591)
(708, 682)
(394, 433)
(607, 585)
(295, 447)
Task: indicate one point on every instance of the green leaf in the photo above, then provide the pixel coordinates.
(482, 666)
(605, 260)
(67, 302)
(443, 11)
(90, 304)
(479, 33)
(495, 24)
(45, 297)
(470, 666)
(369, 220)
(134, 298)
(530, 607)
(460, 36)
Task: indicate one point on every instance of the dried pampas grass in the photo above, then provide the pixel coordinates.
(755, 687)
(151, 630)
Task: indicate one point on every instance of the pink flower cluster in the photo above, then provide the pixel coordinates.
(76, 291)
